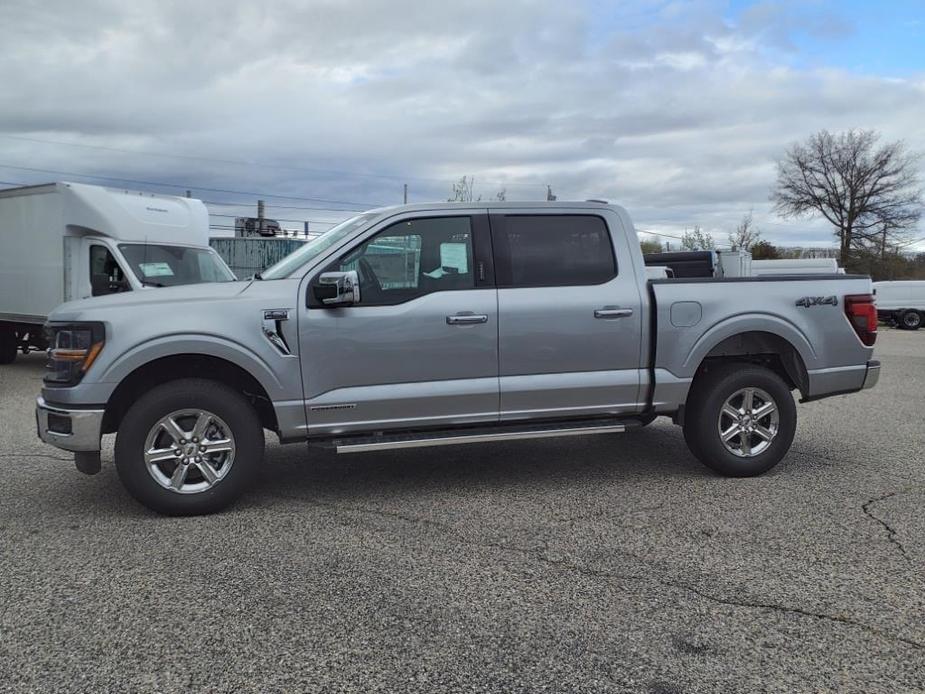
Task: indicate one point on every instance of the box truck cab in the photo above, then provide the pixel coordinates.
(65, 241)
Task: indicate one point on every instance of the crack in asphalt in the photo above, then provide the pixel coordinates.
(33, 455)
(891, 532)
(539, 554)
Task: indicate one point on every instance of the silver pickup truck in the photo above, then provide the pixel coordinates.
(445, 324)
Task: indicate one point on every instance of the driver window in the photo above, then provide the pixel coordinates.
(413, 258)
(106, 277)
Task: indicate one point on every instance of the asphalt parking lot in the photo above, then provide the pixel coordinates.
(599, 564)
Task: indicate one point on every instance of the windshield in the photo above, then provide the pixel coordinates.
(169, 266)
(315, 247)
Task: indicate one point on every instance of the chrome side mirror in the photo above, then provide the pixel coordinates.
(337, 288)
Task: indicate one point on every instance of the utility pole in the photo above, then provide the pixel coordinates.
(306, 229)
(406, 193)
(260, 216)
(550, 197)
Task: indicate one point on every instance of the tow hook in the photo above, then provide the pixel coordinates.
(88, 462)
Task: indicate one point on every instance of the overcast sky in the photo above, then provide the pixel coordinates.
(677, 110)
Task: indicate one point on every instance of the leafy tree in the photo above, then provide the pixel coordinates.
(650, 245)
(870, 193)
(764, 250)
(697, 240)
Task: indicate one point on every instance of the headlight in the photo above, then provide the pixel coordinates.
(72, 349)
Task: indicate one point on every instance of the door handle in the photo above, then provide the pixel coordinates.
(613, 312)
(466, 319)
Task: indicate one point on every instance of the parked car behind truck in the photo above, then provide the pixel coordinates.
(430, 325)
(901, 302)
(66, 241)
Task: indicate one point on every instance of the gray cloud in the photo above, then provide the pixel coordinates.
(679, 118)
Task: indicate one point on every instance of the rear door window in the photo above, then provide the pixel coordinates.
(552, 250)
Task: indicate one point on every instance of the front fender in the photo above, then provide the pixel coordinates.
(209, 345)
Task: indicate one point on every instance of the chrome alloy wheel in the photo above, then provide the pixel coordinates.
(189, 451)
(748, 422)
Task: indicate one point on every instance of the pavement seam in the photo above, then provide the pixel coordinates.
(891, 532)
(33, 455)
(539, 555)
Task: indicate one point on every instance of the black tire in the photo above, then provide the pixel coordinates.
(702, 420)
(8, 345)
(910, 320)
(189, 394)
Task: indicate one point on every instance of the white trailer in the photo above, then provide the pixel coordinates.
(65, 241)
(901, 302)
(796, 266)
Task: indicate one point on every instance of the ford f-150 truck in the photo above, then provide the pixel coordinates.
(440, 324)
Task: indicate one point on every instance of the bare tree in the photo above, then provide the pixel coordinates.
(697, 240)
(746, 234)
(871, 194)
(462, 190)
(501, 196)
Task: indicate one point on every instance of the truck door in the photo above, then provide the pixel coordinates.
(569, 315)
(420, 349)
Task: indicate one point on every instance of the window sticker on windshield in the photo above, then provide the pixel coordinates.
(155, 269)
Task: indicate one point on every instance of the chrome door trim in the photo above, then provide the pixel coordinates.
(467, 319)
(478, 438)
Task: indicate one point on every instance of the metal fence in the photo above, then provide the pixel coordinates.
(248, 256)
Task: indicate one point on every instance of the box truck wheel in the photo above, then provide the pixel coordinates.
(189, 447)
(740, 419)
(8, 345)
(910, 320)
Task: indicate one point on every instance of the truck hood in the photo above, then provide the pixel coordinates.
(96, 308)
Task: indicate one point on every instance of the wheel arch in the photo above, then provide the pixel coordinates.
(187, 365)
(759, 347)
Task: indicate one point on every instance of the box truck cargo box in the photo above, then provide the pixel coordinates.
(65, 241)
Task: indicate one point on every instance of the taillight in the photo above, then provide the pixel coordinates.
(862, 314)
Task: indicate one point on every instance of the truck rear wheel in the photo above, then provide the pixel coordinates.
(189, 447)
(910, 320)
(740, 419)
(8, 345)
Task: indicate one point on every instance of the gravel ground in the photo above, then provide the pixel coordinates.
(598, 564)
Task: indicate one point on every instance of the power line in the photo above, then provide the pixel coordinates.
(187, 186)
(244, 162)
(280, 207)
(277, 219)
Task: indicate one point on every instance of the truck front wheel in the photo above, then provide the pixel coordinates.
(189, 447)
(740, 419)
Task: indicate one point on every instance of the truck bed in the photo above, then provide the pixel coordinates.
(693, 315)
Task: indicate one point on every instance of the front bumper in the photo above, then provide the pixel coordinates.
(872, 375)
(70, 429)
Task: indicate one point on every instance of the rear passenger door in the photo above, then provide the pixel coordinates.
(569, 315)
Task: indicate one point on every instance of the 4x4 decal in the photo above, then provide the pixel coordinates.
(808, 301)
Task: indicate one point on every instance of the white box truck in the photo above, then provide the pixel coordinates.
(901, 302)
(65, 241)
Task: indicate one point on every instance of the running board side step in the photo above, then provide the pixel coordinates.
(387, 442)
